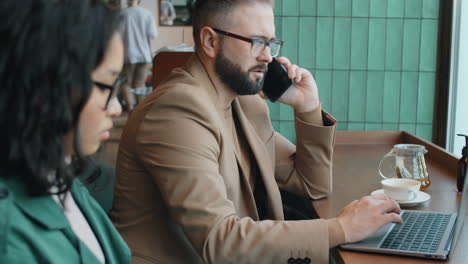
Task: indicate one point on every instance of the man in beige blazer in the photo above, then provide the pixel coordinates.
(199, 166)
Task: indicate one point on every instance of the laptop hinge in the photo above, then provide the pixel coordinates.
(448, 245)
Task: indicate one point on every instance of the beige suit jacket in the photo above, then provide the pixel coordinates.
(181, 196)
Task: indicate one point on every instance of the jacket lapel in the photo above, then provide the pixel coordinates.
(267, 174)
(103, 229)
(250, 194)
(86, 256)
(47, 213)
(43, 210)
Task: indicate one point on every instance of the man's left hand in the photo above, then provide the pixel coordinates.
(303, 94)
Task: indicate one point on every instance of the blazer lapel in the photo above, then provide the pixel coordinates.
(43, 210)
(86, 256)
(103, 229)
(267, 174)
(250, 193)
(46, 212)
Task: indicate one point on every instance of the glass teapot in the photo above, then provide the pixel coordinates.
(409, 164)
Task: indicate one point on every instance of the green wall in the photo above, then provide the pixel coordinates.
(374, 61)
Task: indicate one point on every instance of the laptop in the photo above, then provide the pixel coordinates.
(423, 234)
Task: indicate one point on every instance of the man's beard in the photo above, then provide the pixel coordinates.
(233, 77)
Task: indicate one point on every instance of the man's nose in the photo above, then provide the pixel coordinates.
(265, 55)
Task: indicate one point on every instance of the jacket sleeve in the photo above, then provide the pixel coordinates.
(306, 169)
(179, 147)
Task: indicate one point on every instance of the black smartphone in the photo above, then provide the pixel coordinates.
(276, 81)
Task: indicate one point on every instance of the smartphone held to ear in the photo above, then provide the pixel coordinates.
(276, 81)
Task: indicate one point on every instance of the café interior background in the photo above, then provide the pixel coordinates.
(375, 61)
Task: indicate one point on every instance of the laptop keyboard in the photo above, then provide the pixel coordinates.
(420, 232)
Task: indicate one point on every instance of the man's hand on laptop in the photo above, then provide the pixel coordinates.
(363, 217)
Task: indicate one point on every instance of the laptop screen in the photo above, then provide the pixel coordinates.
(461, 213)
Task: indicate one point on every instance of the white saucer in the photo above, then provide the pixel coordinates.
(420, 198)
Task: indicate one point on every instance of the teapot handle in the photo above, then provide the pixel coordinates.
(390, 154)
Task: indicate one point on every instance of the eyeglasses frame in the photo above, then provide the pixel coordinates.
(112, 88)
(251, 40)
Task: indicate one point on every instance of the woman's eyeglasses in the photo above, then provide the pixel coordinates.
(114, 89)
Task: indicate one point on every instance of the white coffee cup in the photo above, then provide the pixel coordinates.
(401, 189)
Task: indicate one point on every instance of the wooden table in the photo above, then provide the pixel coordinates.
(356, 158)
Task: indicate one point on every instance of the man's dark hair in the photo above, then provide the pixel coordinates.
(215, 13)
(48, 51)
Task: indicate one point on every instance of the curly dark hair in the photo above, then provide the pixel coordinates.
(48, 51)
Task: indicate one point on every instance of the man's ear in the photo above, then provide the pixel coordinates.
(209, 41)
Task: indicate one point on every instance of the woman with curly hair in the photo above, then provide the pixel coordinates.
(59, 65)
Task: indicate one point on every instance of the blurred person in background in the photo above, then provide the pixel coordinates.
(59, 65)
(138, 29)
(167, 13)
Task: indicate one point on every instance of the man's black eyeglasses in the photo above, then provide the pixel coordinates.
(258, 44)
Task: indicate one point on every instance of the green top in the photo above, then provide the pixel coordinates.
(35, 229)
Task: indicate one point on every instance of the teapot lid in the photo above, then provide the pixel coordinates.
(409, 149)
